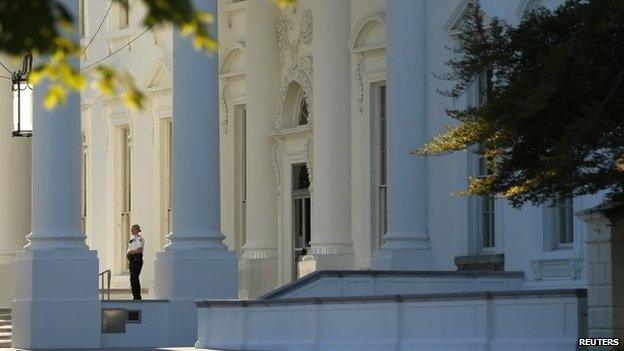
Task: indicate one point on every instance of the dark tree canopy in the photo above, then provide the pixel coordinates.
(552, 125)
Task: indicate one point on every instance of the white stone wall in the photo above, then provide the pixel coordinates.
(149, 59)
(468, 322)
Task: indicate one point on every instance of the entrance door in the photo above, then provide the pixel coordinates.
(301, 214)
(126, 184)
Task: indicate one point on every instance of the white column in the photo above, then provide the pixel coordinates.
(259, 259)
(15, 192)
(195, 264)
(406, 242)
(57, 275)
(331, 239)
(605, 275)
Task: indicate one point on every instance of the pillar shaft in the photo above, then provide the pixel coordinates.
(56, 157)
(259, 258)
(56, 274)
(15, 192)
(195, 265)
(195, 183)
(406, 241)
(330, 181)
(262, 85)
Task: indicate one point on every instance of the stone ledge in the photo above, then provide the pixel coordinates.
(484, 295)
(483, 263)
(383, 273)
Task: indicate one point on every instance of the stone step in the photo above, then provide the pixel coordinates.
(5, 335)
(6, 327)
(6, 344)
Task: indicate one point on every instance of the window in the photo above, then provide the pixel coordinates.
(81, 18)
(483, 207)
(302, 116)
(166, 178)
(126, 192)
(379, 164)
(240, 125)
(83, 187)
(121, 15)
(559, 224)
(301, 213)
(487, 213)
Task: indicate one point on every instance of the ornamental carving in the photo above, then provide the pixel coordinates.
(562, 269)
(290, 48)
(307, 151)
(301, 73)
(275, 162)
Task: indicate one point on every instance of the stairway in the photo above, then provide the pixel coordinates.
(5, 327)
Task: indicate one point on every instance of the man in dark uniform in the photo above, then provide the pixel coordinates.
(135, 256)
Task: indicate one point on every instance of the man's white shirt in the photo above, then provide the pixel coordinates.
(135, 243)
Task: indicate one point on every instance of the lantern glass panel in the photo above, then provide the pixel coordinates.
(22, 108)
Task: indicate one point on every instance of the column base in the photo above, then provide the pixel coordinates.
(185, 276)
(257, 276)
(401, 260)
(196, 274)
(56, 300)
(318, 262)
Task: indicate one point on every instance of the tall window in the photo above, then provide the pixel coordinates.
(379, 163)
(487, 212)
(81, 17)
(126, 191)
(303, 115)
(301, 213)
(559, 224)
(484, 213)
(241, 173)
(122, 11)
(167, 176)
(83, 187)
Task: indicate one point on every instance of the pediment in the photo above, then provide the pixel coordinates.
(456, 23)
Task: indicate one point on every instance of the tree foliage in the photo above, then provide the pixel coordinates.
(44, 28)
(552, 125)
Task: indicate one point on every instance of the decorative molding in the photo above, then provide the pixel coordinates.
(301, 72)
(152, 115)
(284, 25)
(259, 254)
(557, 269)
(230, 52)
(85, 143)
(361, 24)
(360, 81)
(232, 8)
(453, 24)
(275, 162)
(307, 152)
(290, 48)
(305, 28)
(224, 101)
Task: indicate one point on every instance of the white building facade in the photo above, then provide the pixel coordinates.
(315, 164)
(289, 152)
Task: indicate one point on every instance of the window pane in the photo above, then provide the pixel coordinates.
(564, 221)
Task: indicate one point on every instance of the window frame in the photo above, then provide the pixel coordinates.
(477, 209)
(379, 162)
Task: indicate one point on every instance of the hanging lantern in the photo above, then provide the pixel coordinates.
(23, 100)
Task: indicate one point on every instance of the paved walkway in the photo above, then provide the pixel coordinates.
(127, 348)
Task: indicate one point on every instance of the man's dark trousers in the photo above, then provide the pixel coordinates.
(136, 264)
